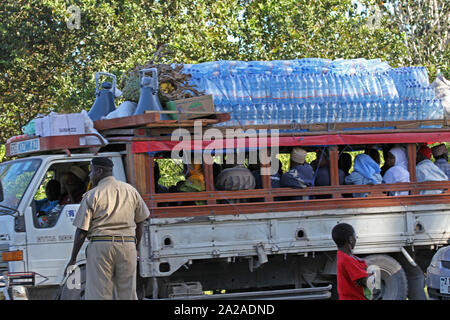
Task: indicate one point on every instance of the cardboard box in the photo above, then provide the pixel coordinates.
(60, 124)
(203, 104)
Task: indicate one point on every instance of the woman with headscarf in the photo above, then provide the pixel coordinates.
(366, 171)
(398, 169)
(426, 170)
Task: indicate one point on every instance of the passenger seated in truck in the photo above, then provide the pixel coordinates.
(440, 154)
(426, 170)
(74, 185)
(385, 151)
(274, 178)
(235, 177)
(323, 174)
(301, 174)
(48, 209)
(397, 171)
(365, 171)
(374, 154)
(195, 182)
(53, 196)
(345, 163)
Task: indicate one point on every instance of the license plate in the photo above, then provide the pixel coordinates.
(445, 285)
(24, 146)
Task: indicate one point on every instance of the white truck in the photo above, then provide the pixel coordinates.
(266, 245)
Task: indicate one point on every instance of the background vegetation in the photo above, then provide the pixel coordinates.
(47, 64)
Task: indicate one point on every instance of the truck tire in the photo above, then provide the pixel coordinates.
(68, 293)
(416, 278)
(394, 284)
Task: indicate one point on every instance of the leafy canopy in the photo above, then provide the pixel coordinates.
(47, 64)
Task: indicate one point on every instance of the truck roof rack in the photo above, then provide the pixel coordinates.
(64, 143)
(141, 129)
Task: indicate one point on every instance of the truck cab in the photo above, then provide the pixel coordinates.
(44, 246)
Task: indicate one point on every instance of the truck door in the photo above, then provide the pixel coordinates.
(49, 220)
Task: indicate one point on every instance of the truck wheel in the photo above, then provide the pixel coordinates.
(394, 285)
(69, 293)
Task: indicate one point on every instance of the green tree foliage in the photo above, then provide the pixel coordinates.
(425, 25)
(47, 64)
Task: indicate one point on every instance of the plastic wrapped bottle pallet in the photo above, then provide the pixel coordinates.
(316, 91)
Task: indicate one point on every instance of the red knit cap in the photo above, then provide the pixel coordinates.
(426, 151)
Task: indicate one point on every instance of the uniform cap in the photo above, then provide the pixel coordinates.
(102, 162)
(298, 155)
(439, 150)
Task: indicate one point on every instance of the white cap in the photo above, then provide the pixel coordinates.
(298, 155)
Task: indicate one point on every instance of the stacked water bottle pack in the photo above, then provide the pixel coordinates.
(316, 91)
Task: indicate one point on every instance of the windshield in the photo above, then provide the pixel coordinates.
(15, 177)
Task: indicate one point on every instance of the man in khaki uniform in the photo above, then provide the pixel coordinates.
(111, 216)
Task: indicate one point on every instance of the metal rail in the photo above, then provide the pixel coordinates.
(316, 293)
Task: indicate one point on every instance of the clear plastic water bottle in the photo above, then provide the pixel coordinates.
(309, 112)
(257, 88)
(332, 91)
(290, 113)
(246, 89)
(304, 111)
(290, 88)
(319, 88)
(267, 113)
(297, 80)
(317, 114)
(339, 88)
(283, 87)
(243, 114)
(296, 113)
(324, 112)
(303, 88)
(282, 113)
(325, 88)
(267, 85)
(275, 88)
(345, 89)
(260, 113)
(250, 110)
(352, 88)
(310, 95)
(239, 90)
(237, 111)
(411, 110)
(438, 109)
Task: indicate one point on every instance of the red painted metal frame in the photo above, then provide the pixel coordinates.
(146, 145)
(376, 198)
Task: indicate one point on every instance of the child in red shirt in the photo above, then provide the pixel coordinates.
(351, 271)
